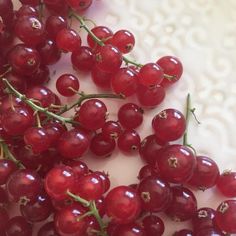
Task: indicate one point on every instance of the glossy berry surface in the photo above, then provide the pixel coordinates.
(129, 230)
(155, 194)
(111, 129)
(79, 5)
(148, 170)
(67, 85)
(153, 225)
(169, 125)
(209, 232)
(7, 167)
(48, 229)
(184, 232)
(176, 163)
(122, 205)
(183, 204)
(130, 115)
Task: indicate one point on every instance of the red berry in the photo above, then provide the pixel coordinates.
(30, 2)
(147, 171)
(155, 194)
(124, 82)
(48, 229)
(226, 184)
(209, 232)
(59, 180)
(79, 167)
(169, 125)
(153, 225)
(183, 204)
(79, 5)
(4, 217)
(111, 129)
(124, 40)
(67, 85)
(130, 115)
(26, 10)
(183, 232)
(122, 205)
(105, 180)
(7, 167)
(171, 66)
(129, 230)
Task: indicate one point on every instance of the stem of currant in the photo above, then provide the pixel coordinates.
(8, 154)
(101, 43)
(34, 106)
(91, 205)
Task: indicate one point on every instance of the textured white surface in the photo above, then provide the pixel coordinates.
(202, 34)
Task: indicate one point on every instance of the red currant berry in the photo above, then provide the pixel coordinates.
(153, 225)
(67, 85)
(24, 186)
(205, 174)
(129, 141)
(59, 180)
(155, 194)
(124, 40)
(24, 60)
(176, 163)
(183, 204)
(105, 180)
(101, 146)
(183, 232)
(57, 7)
(101, 32)
(169, 125)
(7, 167)
(27, 10)
(92, 114)
(48, 229)
(171, 66)
(122, 205)
(68, 40)
(73, 144)
(30, 2)
(79, 5)
(130, 115)
(129, 230)
(124, 82)
(4, 217)
(209, 232)
(108, 58)
(30, 30)
(111, 130)
(147, 171)
(226, 184)
(79, 167)
(82, 59)
(150, 96)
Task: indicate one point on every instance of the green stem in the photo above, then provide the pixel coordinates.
(187, 115)
(35, 107)
(92, 211)
(89, 96)
(8, 154)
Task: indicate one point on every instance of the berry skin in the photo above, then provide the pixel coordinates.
(129, 230)
(124, 82)
(130, 116)
(205, 174)
(147, 171)
(92, 114)
(73, 144)
(68, 40)
(101, 146)
(209, 232)
(26, 10)
(226, 184)
(122, 205)
(226, 216)
(67, 85)
(184, 232)
(169, 125)
(7, 167)
(108, 58)
(153, 225)
(4, 217)
(58, 181)
(30, 2)
(79, 167)
(129, 141)
(79, 5)
(176, 163)
(48, 229)
(124, 40)
(111, 130)
(183, 204)
(150, 75)
(155, 194)
(171, 66)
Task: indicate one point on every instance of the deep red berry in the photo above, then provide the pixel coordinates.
(30, 2)
(8, 102)
(57, 7)
(79, 5)
(169, 125)
(102, 146)
(73, 144)
(30, 30)
(67, 85)
(79, 167)
(183, 232)
(68, 40)
(154, 193)
(26, 10)
(48, 229)
(176, 163)
(24, 186)
(4, 217)
(122, 205)
(39, 77)
(150, 96)
(209, 232)
(130, 115)
(171, 66)
(7, 167)
(124, 40)
(105, 180)
(129, 230)
(111, 129)
(226, 216)
(129, 141)
(83, 59)
(124, 82)
(92, 114)
(147, 171)
(153, 225)
(183, 204)
(59, 180)
(206, 173)
(226, 183)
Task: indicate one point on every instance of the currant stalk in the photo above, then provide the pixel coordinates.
(92, 211)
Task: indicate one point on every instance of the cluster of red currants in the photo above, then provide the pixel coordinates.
(39, 166)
